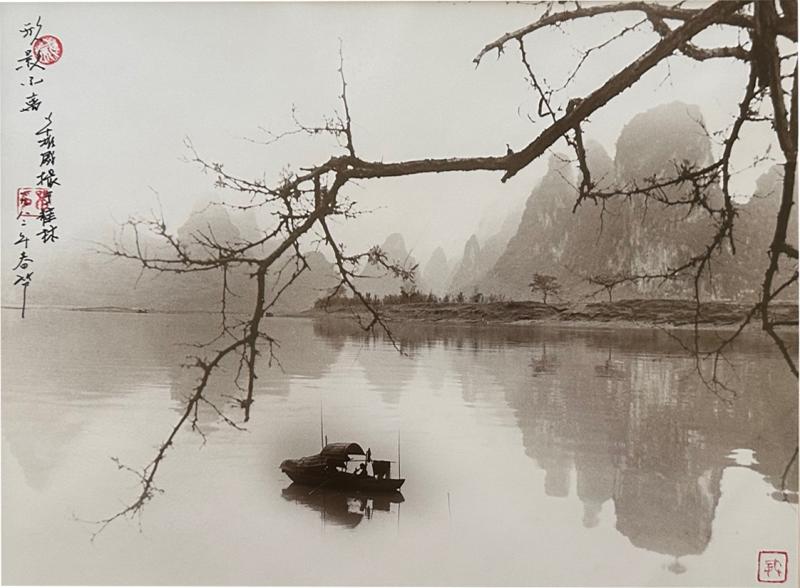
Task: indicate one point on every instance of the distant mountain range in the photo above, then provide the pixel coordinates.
(478, 260)
(626, 237)
(634, 237)
(379, 281)
(93, 280)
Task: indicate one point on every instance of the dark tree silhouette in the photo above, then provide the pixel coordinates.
(304, 201)
(545, 285)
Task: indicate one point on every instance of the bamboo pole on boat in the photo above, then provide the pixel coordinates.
(321, 427)
(398, 453)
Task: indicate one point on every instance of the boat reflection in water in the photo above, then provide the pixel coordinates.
(344, 508)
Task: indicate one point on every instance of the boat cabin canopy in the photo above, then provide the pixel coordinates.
(333, 454)
(341, 451)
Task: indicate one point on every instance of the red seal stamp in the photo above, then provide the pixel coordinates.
(48, 49)
(773, 567)
(32, 201)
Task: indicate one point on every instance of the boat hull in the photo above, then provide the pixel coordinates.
(344, 481)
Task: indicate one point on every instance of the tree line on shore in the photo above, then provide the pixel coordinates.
(542, 284)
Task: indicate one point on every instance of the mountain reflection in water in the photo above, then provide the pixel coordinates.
(602, 440)
(642, 433)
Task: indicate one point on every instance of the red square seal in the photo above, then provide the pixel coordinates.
(31, 201)
(773, 567)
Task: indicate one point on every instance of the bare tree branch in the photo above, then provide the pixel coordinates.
(299, 202)
(651, 9)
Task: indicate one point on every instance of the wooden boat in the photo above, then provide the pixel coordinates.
(328, 469)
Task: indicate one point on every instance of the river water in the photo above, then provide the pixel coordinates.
(533, 455)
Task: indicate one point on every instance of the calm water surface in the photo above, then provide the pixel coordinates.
(532, 456)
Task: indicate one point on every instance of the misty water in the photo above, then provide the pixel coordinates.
(532, 456)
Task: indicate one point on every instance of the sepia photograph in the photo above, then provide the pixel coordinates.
(399, 293)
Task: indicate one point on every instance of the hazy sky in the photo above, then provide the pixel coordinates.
(135, 79)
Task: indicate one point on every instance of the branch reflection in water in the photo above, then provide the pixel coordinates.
(605, 440)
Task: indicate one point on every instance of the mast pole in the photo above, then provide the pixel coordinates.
(398, 453)
(321, 427)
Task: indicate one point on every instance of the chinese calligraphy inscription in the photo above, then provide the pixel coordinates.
(36, 201)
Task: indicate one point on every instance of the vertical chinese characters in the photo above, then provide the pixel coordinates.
(35, 202)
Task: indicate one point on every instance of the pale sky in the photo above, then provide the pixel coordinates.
(135, 79)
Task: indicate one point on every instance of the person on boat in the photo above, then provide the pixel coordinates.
(369, 455)
(362, 469)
